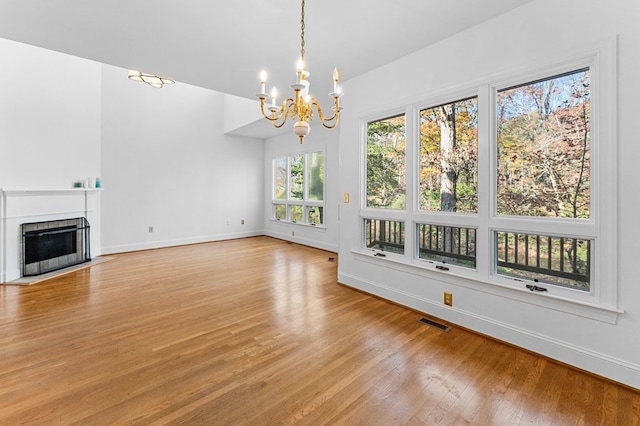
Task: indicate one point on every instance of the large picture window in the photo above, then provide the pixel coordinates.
(543, 135)
(543, 156)
(507, 185)
(298, 188)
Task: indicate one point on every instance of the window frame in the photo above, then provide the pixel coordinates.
(601, 301)
(444, 218)
(585, 228)
(305, 203)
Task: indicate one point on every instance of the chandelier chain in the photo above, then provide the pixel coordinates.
(302, 33)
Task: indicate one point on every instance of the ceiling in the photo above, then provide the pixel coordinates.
(223, 45)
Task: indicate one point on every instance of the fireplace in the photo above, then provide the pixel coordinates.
(52, 245)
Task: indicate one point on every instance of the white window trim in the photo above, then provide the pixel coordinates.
(601, 224)
(601, 302)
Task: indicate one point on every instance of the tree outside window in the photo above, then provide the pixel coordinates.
(386, 144)
(296, 177)
(543, 170)
(542, 157)
(449, 157)
(280, 179)
(298, 188)
(544, 147)
(315, 161)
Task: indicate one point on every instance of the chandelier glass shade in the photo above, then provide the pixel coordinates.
(301, 105)
(150, 79)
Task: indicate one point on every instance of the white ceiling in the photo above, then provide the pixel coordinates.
(223, 45)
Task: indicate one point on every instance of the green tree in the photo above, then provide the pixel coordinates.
(386, 163)
(316, 176)
(544, 148)
(448, 157)
(297, 177)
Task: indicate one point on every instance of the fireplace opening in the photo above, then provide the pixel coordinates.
(48, 244)
(53, 245)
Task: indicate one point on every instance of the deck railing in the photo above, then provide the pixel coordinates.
(563, 261)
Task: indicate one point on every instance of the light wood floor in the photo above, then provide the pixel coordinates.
(257, 331)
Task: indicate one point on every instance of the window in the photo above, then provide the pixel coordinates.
(314, 215)
(449, 157)
(384, 235)
(296, 177)
(543, 156)
(385, 186)
(295, 213)
(447, 244)
(280, 179)
(316, 176)
(543, 140)
(542, 258)
(298, 188)
(507, 185)
(280, 211)
(386, 163)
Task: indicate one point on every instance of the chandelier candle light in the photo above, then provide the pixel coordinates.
(301, 104)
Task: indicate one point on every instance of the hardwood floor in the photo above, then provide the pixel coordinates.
(258, 332)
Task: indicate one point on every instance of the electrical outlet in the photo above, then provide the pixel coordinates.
(345, 197)
(448, 298)
(293, 233)
(151, 229)
(242, 222)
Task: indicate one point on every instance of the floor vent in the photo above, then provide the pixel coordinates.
(435, 324)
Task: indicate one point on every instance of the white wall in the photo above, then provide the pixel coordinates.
(49, 118)
(240, 112)
(538, 31)
(288, 144)
(166, 163)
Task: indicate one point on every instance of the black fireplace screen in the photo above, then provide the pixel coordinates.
(52, 245)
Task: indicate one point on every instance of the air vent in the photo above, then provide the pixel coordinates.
(435, 324)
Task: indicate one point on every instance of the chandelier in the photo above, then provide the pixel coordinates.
(301, 105)
(150, 79)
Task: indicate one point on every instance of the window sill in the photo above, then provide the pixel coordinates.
(457, 277)
(306, 225)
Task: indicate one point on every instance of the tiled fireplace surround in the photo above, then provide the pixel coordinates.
(39, 205)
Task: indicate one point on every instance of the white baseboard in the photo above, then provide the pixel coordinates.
(304, 241)
(600, 364)
(177, 242)
(10, 275)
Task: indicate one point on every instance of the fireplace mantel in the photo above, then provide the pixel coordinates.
(19, 206)
(18, 192)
